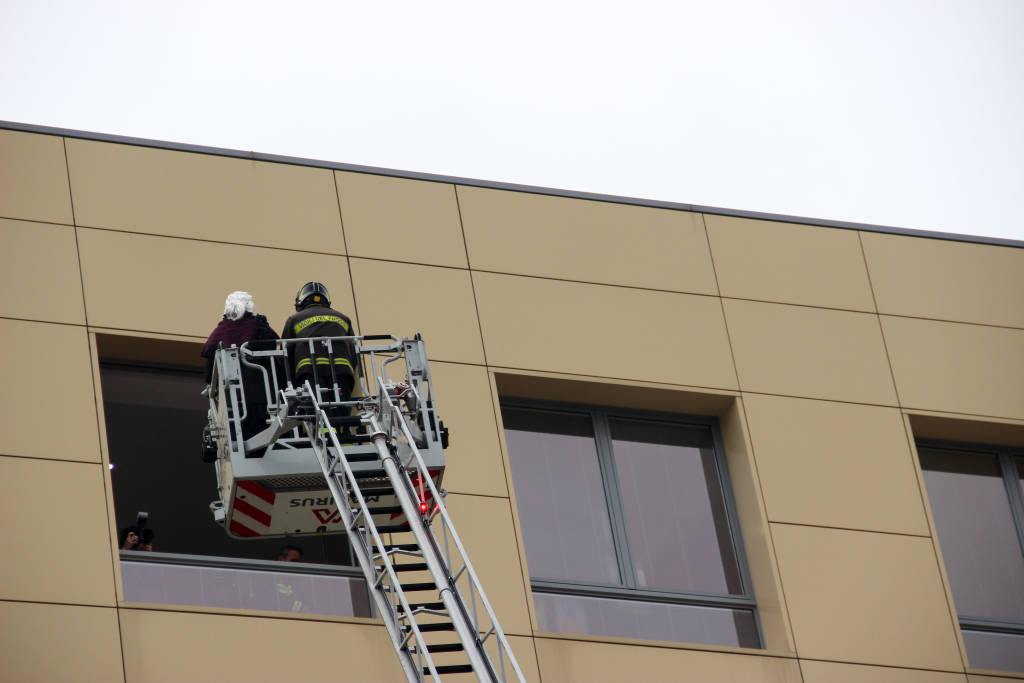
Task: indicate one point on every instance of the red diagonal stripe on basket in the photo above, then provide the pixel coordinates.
(257, 490)
(252, 511)
(241, 530)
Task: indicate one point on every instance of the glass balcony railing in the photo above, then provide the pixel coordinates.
(199, 581)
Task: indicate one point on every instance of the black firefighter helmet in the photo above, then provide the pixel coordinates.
(312, 293)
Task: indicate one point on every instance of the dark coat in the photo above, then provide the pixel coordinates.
(248, 328)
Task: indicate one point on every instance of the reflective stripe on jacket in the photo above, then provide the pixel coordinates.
(320, 321)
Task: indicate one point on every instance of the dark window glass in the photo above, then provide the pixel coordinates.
(675, 513)
(979, 541)
(978, 507)
(154, 421)
(562, 505)
(626, 527)
(1020, 475)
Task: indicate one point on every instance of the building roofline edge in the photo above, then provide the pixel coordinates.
(514, 187)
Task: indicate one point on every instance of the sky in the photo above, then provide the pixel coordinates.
(903, 113)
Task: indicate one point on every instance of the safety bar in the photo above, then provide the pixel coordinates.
(275, 372)
(273, 384)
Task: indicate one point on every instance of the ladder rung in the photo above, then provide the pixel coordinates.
(371, 474)
(392, 529)
(446, 647)
(422, 605)
(412, 567)
(451, 669)
(402, 546)
(427, 628)
(362, 457)
(425, 586)
(368, 493)
(351, 439)
(386, 510)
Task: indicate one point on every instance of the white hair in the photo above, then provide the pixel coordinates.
(237, 304)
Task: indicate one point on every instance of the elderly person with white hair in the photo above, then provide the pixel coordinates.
(239, 325)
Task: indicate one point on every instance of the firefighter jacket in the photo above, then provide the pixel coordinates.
(320, 321)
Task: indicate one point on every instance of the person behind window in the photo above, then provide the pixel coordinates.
(289, 553)
(131, 539)
(314, 317)
(128, 538)
(240, 325)
(289, 593)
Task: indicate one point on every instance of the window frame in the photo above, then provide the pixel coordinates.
(201, 561)
(627, 590)
(1006, 456)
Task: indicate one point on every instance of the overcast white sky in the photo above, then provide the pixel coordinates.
(907, 113)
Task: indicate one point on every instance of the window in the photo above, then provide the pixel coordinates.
(628, 525)
(154, 419)
(977, 501)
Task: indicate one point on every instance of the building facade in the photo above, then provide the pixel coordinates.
(687, 443)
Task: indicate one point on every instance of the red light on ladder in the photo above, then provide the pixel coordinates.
(423, 508)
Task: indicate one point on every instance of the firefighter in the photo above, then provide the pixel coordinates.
(314, 317)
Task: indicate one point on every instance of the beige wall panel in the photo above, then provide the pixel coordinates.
(811, 352)
(402, 299)
(526, 657)
(622, 394)
(786, 263)
(174, 286)
(49, 407)
(832, 672)
(47, 643)
(835, 464)
(572, 660)
(606, 331)
(204, 196)
(924, 278)
(764, 571)
(869, 598)
(576, 239)
(33, 178)
(991, 430)
(39, 272)
(183, 646)
(957, 368)
(401, 219)
(38, 497)
(473, 459)
(485, 526)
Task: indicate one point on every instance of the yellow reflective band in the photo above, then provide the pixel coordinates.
(303, 324)
(322, 360)
(337, 361)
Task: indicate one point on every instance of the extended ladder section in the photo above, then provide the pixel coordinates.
(379, 458)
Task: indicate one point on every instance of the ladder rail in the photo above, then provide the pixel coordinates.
(448, 528)
(447, 591)
(400, 446)
(365, 557)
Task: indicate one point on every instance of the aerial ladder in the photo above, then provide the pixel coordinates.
(371, 467)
